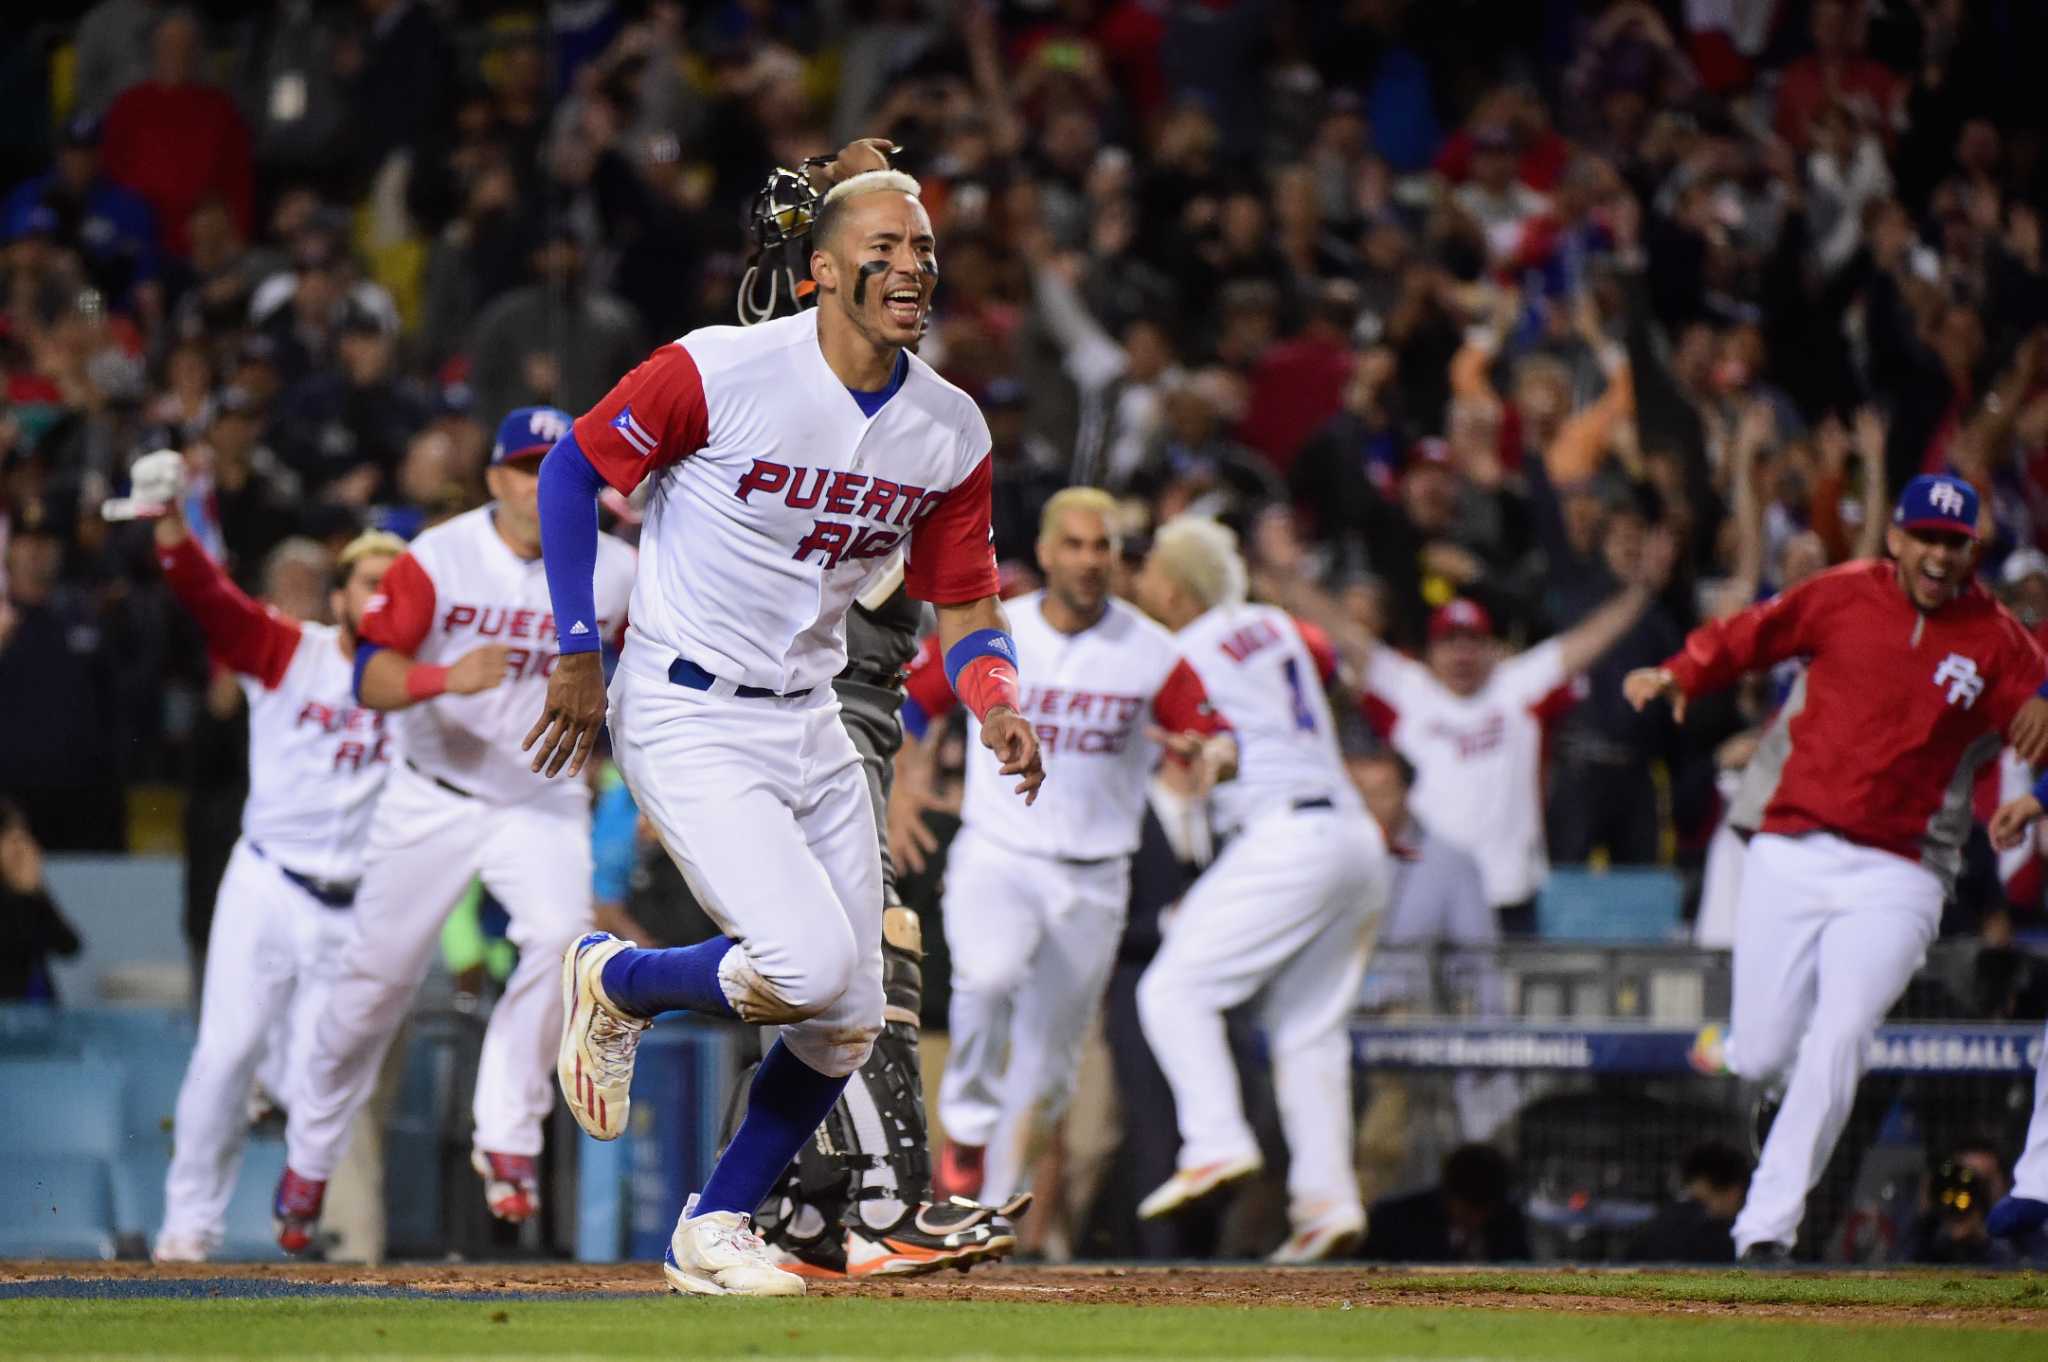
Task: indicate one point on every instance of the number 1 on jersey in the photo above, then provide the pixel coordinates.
(1304, 717)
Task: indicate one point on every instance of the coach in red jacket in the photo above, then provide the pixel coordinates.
(1914, 678)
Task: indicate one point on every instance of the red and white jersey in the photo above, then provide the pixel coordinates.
(1478, 758)
(316, 758)
(1092, 696)
(1266, 673)
(777, 497)
(1881, 739)
(457, 588)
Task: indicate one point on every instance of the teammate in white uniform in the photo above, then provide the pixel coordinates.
(791, 459)
(1035, 897)
(1286, 913)
(316, 763)
(461, 804)
(1472, 723)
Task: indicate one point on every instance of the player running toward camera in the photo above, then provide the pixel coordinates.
(1913, 672)
(1035, 898)
(461, 804)
(316, 762)
(1286, 913)
(791, 459)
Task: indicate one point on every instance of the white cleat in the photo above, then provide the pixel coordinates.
(180, 1248)
(595, 1062)
(1192, 1184)
(1327, 1236)
(718, 1254)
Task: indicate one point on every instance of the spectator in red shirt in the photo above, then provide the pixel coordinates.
(177, 142)
(1297, 385)
(1836, 70)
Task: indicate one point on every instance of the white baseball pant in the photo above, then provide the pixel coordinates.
(2030, 1174)
(1032, 940)
(1827, 936)
(270, 954)
(1287, 912)
(426, 844)
(764, 807)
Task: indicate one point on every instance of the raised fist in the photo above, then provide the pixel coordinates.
(855, 158)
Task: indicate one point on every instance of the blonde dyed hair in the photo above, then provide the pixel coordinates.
(368, 544)
(1200, 556)
(872, 181)
(1092, 500)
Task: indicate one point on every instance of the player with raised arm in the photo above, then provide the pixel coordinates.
(791, 460)
(462, 615)
(1286, 914)
(1913, 674)
(317, 760)
(1035, 898)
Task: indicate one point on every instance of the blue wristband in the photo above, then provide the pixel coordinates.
(364, 652)
(981, 643)
(915, 721)
(2042, 690)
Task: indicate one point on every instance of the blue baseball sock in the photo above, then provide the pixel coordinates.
(681, 979)
(786, 1104)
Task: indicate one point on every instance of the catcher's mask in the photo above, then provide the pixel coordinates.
(784, 211)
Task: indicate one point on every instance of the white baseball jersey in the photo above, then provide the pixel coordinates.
(1478, 758)
(316, 758)
(778, 495)
(1091, 696)
(457, 588)
(1266, 672)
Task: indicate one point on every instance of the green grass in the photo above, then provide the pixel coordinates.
(909, 1331)
(1926, 1288)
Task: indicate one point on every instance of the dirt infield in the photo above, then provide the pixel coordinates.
(1600, 1292)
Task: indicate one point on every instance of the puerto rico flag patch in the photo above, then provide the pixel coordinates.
(633, 432)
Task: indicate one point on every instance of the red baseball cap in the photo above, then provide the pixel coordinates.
(1460, 617)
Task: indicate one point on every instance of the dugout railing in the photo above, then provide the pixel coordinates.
(1595, 1068)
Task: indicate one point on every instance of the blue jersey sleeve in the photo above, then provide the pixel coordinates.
(569, 486)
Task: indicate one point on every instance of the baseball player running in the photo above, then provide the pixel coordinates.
(1913, 673)
(1286, 913)
(1035, 898)
(791, 459)
(316, 763)
(463, 614)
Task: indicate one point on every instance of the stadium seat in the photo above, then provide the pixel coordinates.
(1635, 903)
(59, 1106)
(55, 1206)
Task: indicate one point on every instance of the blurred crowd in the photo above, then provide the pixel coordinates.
(1527, 306)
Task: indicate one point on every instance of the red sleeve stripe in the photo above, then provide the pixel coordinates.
(1182, 704)
(952, 557)
(402, 611)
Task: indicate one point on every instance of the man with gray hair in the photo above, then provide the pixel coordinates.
(1285, 914)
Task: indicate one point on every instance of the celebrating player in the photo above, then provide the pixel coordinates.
(316, 763)
(1913, 671)
(461, 804)
(792, 459)
(1035, 899)
(1286, 913)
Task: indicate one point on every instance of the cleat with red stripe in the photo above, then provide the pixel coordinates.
(1189, 1185)
(511, 1184)
(594, 1063)
(297, 1210)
